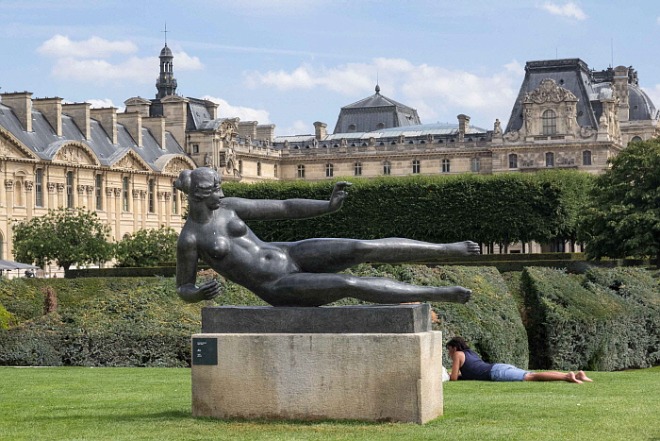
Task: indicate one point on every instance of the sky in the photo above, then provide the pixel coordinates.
(294, 62)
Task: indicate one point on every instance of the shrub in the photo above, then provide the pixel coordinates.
(578, 322)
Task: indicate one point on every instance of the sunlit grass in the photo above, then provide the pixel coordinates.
(154, 404)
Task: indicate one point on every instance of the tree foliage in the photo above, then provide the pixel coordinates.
(147, 247)
(624, 218)
(64, 236)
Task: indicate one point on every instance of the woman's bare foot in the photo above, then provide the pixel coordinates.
(583, 377)
(571, 378)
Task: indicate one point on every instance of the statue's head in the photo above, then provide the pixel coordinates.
(200, 183)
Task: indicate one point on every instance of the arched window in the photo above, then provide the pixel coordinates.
(98, 191)
(240, 166)
(586, 157)
(18, 193)
(549, 159)
(513, 160)
(380, 126)
(152, 196)
(329, 170)
(258, 168)
(387, 168)
(39, 187)
(275, 170)
(125, 184)
(549, 122)
(352, 128)
(301, 171)
(475, 164)
(357, 169)
(636, 139)
(416, 167)
(69, 189)
(175, 199)
(446, 166)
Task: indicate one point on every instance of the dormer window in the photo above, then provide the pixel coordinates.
(549, 122)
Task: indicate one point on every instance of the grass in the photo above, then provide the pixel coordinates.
(154, 404)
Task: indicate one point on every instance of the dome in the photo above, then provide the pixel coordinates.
(641, 106)
(166, 52)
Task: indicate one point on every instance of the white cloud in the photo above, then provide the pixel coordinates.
(95, 47)
(569, 10)
(434, 91)
(100, 61)
(183, 61)
(226, 110)
(100, 103)
(139, 70)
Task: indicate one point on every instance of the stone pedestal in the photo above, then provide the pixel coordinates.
(302, 372)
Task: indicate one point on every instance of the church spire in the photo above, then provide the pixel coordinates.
(166, 83)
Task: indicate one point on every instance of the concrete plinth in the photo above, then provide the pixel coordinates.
(312, 376)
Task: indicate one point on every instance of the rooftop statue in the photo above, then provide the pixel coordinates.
(302, 273)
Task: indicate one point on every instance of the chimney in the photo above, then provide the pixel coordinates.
(156, 125)
(266, 132)
(133, 123)
(80, 114)
(247, 128)
(107, 117)
(139, 105)
(320, 130)
(21, 104)
(620, 85)
(212, 108)
(51, 108)
(463, 126)
(175, 110)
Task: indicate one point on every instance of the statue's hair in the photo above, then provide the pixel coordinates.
(183, 181)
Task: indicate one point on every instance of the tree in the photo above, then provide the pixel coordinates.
(624, 218)
(147, 247)
(66, 236)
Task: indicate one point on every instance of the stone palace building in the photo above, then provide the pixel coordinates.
(123, 164)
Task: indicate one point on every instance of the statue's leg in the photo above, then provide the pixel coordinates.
(313, 289)
(329, 255)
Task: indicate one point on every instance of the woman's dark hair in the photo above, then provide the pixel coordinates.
(458, 343)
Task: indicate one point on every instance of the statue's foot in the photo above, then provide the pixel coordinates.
(467, 248)
(454, 294)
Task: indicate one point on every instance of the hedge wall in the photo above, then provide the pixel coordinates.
(500, 209)
(141, 322)
(605, 319)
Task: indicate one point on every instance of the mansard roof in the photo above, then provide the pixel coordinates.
(45, 143)
(375, 112)
(587, 85)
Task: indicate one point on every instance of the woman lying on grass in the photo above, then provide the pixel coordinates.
(467, 365)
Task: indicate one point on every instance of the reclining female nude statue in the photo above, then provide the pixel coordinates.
(299, 273)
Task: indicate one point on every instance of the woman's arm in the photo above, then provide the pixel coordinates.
(186, 272)
(263, 209)
(457, 360)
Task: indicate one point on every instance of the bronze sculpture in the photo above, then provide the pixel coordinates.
(302, 273)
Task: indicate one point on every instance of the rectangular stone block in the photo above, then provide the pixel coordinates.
(408, 318)
(369, 377)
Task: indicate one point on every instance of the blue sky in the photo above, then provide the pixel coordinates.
(294, 62)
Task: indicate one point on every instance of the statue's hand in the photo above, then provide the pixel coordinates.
(206, 291)
(339, 193)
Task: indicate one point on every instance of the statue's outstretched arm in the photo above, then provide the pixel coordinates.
(186, 274)
(288, 208)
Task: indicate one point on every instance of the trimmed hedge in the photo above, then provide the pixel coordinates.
(604, 320)
(141, 322)
(501, 209)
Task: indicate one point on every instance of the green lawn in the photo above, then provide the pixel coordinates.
(154, 404)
